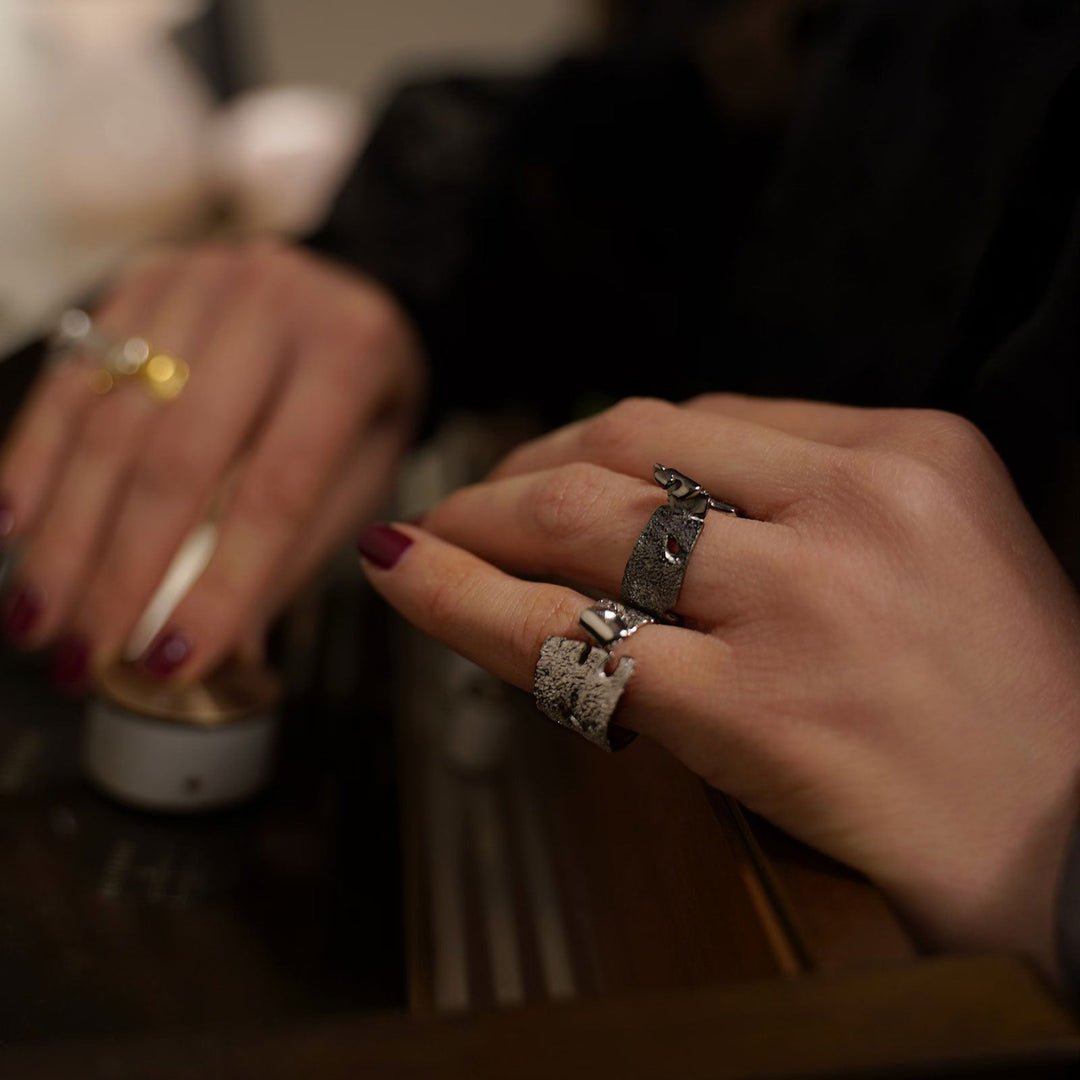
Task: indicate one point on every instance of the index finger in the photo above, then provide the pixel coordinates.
(501, 622)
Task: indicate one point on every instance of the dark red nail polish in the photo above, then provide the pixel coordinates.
(24, 608)
(7, 518)
(383, 545)
(167, 653)
(70, 667)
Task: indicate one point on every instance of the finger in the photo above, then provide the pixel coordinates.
(184, 461)
(356, 495)
(51, 418)
(66, 544)
(838, 425)
(500, 622)
(759, 469)
(580, 522)
(289, 469)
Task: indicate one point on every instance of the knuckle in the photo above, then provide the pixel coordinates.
(564, 503)
(948, 440)
(380, 319)
(914, 488)
(618, 430)
(718, 401)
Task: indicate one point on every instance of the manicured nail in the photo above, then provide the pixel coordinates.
(70, 667)
(167, 653)
(383, 545)
(7, 518)
(24, 608)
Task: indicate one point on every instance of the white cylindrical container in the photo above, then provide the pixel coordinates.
(182, 749)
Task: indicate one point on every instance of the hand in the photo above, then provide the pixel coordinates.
(304, 385)
(883, 658)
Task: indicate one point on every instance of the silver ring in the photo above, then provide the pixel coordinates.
(608, 621)
(573, 687)
(76, 334)
(655, 570)
(161, 375)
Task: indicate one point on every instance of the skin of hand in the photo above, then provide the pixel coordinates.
(304, 387)
(882, 657)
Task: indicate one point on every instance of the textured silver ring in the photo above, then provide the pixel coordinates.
(573, 686)
(655, 570)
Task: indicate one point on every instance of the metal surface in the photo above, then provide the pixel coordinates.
(655, 570)
(574, 688)
(609, 622)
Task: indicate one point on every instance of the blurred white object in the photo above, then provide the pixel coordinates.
(103, 125)
(182, 748)
(122, 126)
(186, 568)
(280, 155)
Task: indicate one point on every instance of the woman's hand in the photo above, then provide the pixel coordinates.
(304, 385)
(883, 658)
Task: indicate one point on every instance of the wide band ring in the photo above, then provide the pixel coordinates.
(160, 375)
(655, 570)
(573, 686)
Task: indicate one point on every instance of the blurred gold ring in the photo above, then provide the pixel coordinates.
(163, 376)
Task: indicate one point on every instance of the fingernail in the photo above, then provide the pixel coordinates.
(70, 667)
(383, 545)
(24, 608)
(167, 653)
(7, 518)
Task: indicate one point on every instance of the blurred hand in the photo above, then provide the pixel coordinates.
(304, 385)
(883, 658)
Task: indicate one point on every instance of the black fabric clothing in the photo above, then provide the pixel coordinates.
(906, 239)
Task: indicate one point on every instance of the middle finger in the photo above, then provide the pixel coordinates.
(580, 522)
(763, 471)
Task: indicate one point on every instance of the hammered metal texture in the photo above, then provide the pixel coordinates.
(572, 688)
(654, 572)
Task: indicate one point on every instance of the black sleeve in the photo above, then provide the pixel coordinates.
(554, 237)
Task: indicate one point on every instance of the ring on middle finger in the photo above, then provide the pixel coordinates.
(655, 570)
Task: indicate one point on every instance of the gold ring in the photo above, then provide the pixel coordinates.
(162, 376)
